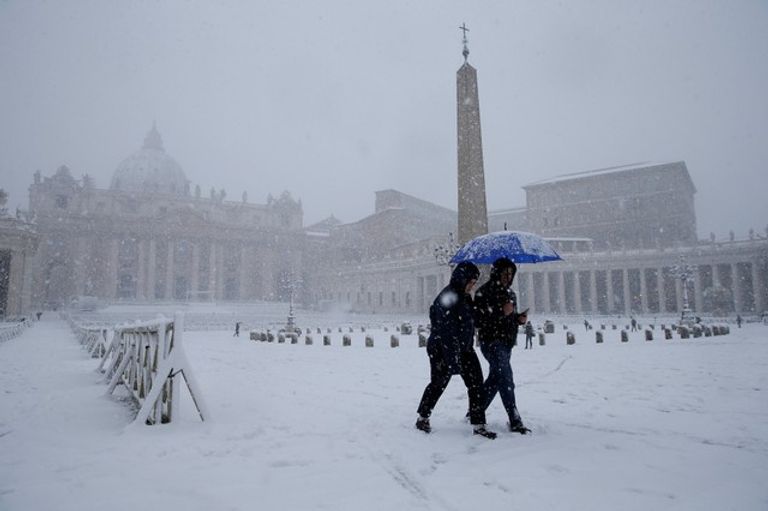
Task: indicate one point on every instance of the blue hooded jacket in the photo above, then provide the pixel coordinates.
(450, 315)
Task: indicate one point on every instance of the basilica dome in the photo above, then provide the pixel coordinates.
(151, 170)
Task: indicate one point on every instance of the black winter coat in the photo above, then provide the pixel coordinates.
(452, 323)
(492, 325)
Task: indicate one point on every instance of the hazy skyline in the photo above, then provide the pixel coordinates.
(334, 100)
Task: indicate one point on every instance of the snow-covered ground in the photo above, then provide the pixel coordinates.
(677, 424)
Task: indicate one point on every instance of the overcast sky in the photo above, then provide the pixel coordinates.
(334, 100)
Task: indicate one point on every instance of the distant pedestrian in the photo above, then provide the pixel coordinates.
(528, 335)
(739, 320)
(586, 325)
(634, 324)
(38, 314)
(450, 349)
(237, 330)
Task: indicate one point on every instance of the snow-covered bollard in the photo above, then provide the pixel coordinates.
(624, 336)
(422, 340)
(369, 341)
(394, 341)
(326, 340)
(683, 331)
(386, 329)
(602, 327)
(648, 334)
(542, 339)
(570, 338)
(340, 330)
(668, 334)
(707, 331)
(319, 331)
(346, 340)
(351, 330)
(362, 329)
(270, 336)
(254, 336)
(281, 337)
(727, 330)
(715, 329)
(294, 338)
(598, 337)
(696, 331)
(565, 327)
(614, 327)
(308, 340)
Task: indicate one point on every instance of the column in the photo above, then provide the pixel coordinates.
(609, 289)
(141, 281)
(643, 292)
(561, 291)
(735, 278)
(170, 271)
(715, 275)
(242, 276)
(81, 263)
(662, 293)
(577, 292)
(151, 270)
(110, 291)
(219, 272)
(14, 304)
(194, 281)
(627, 294)
(593, 290)
(212, 269)
(679, 293)
(698, 294)
(759, 287)
(531, 293)
(545, 283)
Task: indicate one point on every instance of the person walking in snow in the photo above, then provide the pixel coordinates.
(528, 335)
(237, 330)
(450, 349)
(498, 322)
(634, 324)
(738, 320)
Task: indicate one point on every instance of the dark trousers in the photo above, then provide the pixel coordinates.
(529, 341)
(500, 377)
(471, 373)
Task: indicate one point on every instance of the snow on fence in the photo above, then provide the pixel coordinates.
(9, 331)
(147, 359)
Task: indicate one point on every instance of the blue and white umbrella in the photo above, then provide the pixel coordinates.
(519, 247)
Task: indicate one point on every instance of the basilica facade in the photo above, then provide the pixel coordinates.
(149, 238)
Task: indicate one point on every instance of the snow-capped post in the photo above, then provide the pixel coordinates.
(308, 340)
(270, 336)
(707, 331)
(294, 338)
(319, 331)
(326, 340)
(668, 334)
(422, 340)
(624, 336)
(346, 340)
(598, 337)
(369, 341)
(683, 331)
(696, 331)
(394, 341)
(570, 338)
(254, 336)
(648, 334)
(542, 339)
(280, 337)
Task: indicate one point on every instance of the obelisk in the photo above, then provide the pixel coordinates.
(473, 213)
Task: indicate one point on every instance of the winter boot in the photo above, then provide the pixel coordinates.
(422, 424)
(516, 423)
(480, 430)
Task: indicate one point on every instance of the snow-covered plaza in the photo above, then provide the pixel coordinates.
(680, 424)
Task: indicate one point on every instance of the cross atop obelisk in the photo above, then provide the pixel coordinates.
(464, 41)
(473, 213)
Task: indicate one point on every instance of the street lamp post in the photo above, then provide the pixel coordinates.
(685, 272)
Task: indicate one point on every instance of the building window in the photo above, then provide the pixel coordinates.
(62, 201)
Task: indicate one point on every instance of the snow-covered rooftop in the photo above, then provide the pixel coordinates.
(599, 172)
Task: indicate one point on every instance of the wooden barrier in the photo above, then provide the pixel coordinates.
(147, 358)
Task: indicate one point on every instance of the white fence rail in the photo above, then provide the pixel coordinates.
(9, 331)
(147, 359)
